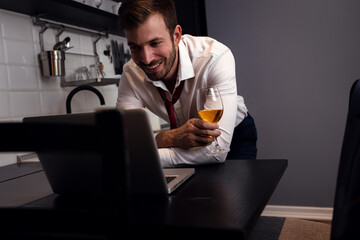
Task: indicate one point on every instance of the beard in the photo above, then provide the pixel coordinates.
(168, 63)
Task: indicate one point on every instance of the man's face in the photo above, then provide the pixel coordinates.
(152, 48)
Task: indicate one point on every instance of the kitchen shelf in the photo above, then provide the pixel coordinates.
(68, 12)
(91, 82)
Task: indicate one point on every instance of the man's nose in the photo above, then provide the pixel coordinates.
(147, 55)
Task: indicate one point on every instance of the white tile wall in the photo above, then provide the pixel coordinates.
(15, 26)
(23, 77)
(23, 91)
(53, 102)
(19, 52)
(86, 45)
(24, 103)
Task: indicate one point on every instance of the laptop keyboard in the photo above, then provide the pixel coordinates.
(169, 178)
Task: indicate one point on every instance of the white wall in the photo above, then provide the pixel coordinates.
(296, 61)
(23, 91)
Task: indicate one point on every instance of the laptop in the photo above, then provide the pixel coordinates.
(81, 173)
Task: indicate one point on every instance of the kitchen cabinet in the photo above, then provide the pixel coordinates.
(67, 12)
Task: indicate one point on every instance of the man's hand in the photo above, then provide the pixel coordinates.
(194, 133)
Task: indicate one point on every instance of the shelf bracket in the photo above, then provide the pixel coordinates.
(41, 37)
(59, 32)
(94, 44)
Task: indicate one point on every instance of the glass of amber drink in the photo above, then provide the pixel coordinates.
(210, 109)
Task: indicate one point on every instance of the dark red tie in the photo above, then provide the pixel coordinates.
(170, 104)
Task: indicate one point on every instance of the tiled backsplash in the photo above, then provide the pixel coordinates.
(23, 91)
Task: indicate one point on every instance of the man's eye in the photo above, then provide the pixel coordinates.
(154, 44)
(133, 47)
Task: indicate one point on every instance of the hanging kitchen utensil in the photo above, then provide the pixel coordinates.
(121, 57)
(115, 53)
(62, 45)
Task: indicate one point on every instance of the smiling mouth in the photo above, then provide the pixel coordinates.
(152, 68)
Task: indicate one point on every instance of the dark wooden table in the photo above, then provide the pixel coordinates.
(220, 200)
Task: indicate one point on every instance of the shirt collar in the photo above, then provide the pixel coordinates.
(185, 70)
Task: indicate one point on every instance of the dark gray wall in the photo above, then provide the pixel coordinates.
(296, 61)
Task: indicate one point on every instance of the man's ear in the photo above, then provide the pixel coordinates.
(177, 34)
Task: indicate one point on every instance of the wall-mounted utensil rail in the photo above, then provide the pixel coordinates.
(53, 67)
(61, 28)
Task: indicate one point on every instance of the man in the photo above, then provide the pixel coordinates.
(165, 66)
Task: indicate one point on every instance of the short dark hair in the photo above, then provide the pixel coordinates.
(132, 13)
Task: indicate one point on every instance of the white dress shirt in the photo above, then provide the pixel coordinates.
(203, 62)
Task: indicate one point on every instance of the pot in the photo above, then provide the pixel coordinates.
(52, 63)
